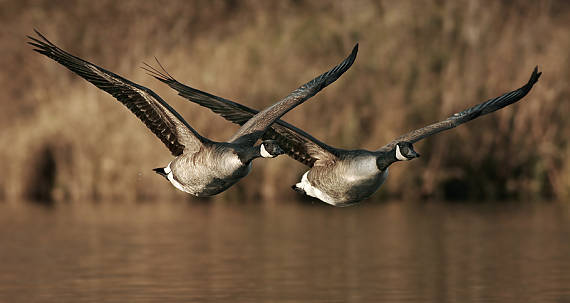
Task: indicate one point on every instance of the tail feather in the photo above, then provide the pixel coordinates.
(161, 171)
(298, 189)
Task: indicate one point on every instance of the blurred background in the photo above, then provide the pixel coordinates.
(65, 140)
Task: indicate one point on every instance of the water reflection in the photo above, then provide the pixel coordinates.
(286, 252)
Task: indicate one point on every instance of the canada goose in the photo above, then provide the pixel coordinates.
(337, 176)
(202, 167)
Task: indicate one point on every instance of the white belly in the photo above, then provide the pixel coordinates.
(349, 189)
(207, 179)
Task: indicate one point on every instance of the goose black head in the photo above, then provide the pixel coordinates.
(270, 149)
(404, 151)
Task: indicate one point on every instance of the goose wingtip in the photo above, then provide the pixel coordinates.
(535, 76)
(354, 51)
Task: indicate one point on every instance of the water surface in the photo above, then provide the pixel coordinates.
(285, 252)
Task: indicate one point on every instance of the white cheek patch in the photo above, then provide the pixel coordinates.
(399, 155)
(264, 152)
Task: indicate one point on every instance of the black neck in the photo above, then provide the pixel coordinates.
(385, 159)
(248, 154)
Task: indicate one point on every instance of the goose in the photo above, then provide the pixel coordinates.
(201, 167)
(337, 176)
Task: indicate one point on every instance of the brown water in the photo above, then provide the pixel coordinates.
(285, 252)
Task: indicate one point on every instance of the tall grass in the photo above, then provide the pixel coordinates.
(418, 62)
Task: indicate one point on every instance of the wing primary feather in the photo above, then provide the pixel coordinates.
(295, 142)
(255, 127)
(469, 114)
(154, 112)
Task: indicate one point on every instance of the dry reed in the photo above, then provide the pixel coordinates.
(418, 63)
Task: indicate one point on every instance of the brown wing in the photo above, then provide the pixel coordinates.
(295, 142)
(254, 128)
(299, 145)
(154, 112)
(469, 114)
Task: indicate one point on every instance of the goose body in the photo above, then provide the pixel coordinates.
(201, 167)
(351, 178)
(337, 176)
(209, 172)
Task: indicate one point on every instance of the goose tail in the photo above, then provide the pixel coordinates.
(298, 189)
(161, 171)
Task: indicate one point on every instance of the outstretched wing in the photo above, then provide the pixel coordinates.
(295, 142)
(154, 112)
(254, 128)
(469, 114)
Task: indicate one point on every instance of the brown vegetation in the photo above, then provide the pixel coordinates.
(418, 63)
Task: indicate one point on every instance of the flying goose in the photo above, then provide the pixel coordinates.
(337, 176)
(201, 166)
